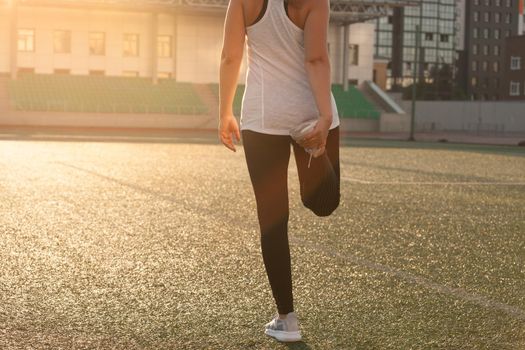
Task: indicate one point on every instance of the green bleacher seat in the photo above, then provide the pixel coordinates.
(350, 104)
(237, 99)
(353, 104)
(68, 93)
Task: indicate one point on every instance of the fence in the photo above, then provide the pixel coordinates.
(479, 117)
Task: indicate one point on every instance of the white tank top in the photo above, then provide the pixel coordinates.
(278, 95)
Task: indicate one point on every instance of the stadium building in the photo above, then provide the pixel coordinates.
(488, 26)
(152, 56)
(396, 40)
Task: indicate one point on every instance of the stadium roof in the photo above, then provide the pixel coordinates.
(343, 11)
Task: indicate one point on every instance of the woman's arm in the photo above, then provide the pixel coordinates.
(317, 65)
(231, 59)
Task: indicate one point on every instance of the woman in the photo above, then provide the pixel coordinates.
(287, 87)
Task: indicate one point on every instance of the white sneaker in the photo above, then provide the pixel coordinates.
(286, 330)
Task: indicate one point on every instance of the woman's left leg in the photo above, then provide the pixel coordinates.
(320, 183)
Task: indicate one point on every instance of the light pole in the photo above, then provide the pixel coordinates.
(415, 72)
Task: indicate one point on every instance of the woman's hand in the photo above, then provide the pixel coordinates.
(228, 129)
(316, 139)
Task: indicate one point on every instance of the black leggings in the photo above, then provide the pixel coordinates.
(267, 157)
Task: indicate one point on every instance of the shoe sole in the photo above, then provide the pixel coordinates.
(284, 336)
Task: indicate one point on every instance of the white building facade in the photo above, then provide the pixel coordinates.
(183, 45)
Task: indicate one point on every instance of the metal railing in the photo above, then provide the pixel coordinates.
(344, 11)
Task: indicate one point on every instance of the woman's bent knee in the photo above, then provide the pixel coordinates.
(323, 208)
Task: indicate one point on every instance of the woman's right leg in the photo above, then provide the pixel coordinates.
(267, 157)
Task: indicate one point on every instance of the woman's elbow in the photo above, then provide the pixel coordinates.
(230, 58)
(320, 60)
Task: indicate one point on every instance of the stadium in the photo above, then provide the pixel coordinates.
(155, 63)
(125, 224)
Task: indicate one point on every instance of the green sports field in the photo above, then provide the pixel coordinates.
(153, 244)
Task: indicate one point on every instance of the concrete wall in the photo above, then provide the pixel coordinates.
(106, 120)
(361, 34)
(359, 125)
(129, 120)
(199, 49)
(392, 122)
(475, 116)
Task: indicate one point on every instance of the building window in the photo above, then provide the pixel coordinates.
(497, 2)
(476, 16)
(507, 33)
(508, 18)
(24, 70)
(475, 49)
(353, 54)
(485, 33)
(26, 40)
(97, 43)
(62, 41)
(496, 33)
(486, 16)
(62, 71)
(164, 75)
(497, 17)
(429, 36)
(508, 3)
(487, 2)
(474, 81)
(444, 38)
(474, 66)
(485, 66)
(496, 50)
(164, 46)
(495, 66)
(514, 88)
(476, 2)
(130, 73)
(130, 45)
(485, 50)
(475, 33)
(496, 82)
(515, 62)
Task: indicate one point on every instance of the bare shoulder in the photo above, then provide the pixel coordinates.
(311, 4)
(251, 9)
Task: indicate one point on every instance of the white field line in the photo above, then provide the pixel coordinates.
(351, 179)
(458, 293)
(437, 183)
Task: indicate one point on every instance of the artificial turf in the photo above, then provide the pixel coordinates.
(116, 245)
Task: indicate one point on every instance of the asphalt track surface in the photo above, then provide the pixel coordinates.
(136, 244)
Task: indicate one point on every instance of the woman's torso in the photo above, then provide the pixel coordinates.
(278, 95)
